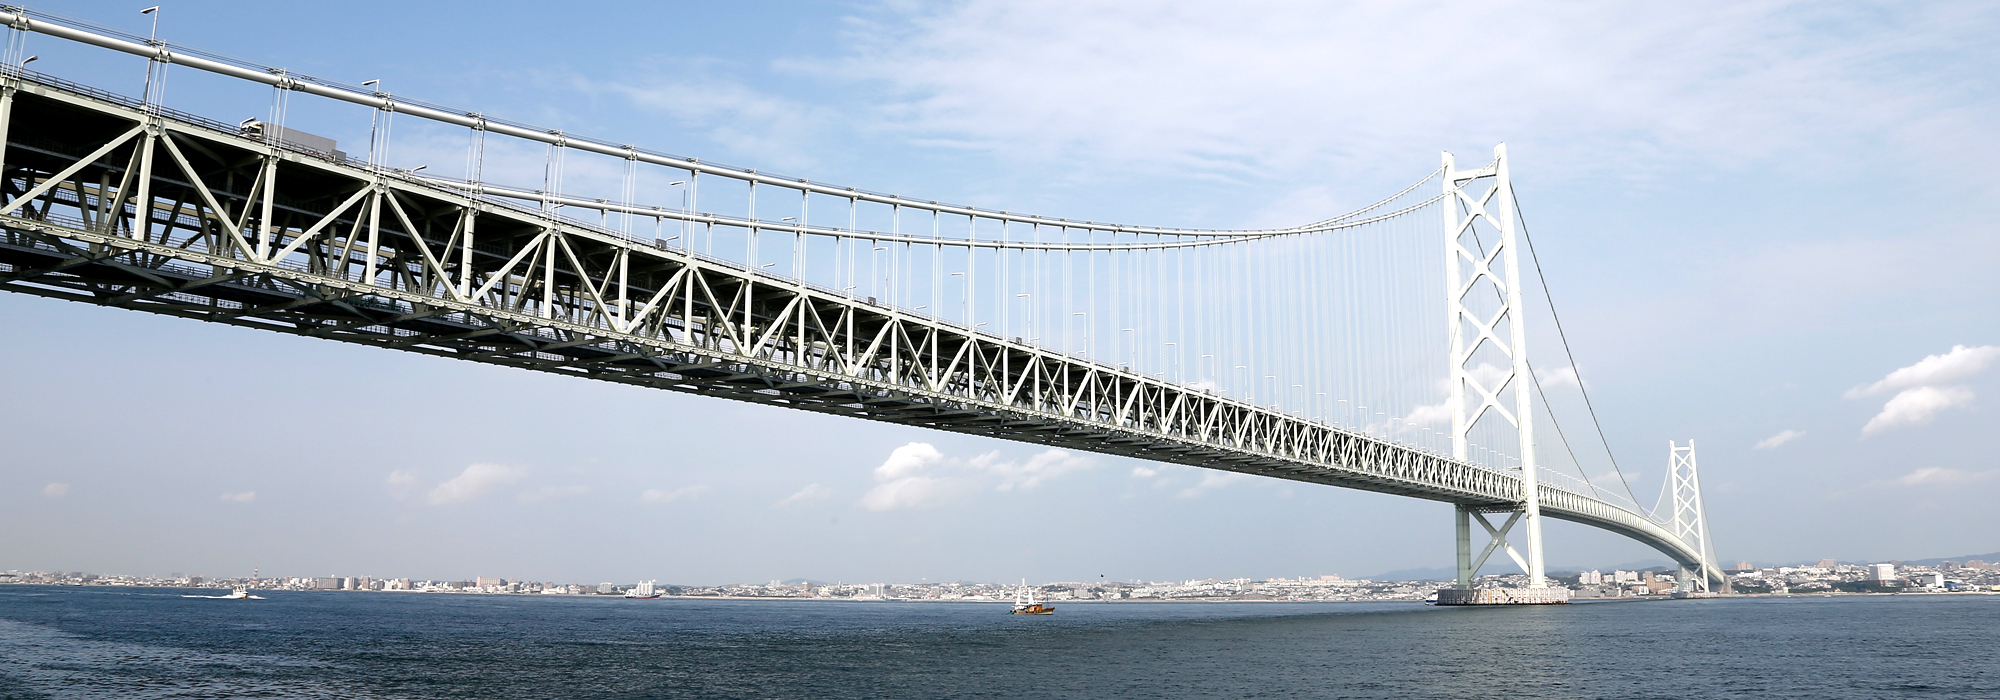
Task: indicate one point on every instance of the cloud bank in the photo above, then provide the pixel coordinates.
(1932, 476)
(917, 475)
(670, 495)
(812, 493)
(1263, 89)
(1921, 389)
(470, 484)
(1781, 438)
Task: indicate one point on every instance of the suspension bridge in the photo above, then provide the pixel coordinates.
(1385, 349)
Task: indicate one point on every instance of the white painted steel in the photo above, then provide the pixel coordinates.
(391, 260)
(1690, 522)
(1495, 208)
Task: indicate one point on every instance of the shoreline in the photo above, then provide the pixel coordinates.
(996, 601)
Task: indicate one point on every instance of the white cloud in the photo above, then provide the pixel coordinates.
(1930, 476)
(1781, 438)
(904, 482)
(907, 461)
(769, 127)
(55, 490)
(472, 483)
(1919, 394)
(1145, 472)
(917, 475)
(1917, 406)
(1959, 363)
(810, 494)
(670, 495)
(1434, 414)
(1212, 480)
(1610, 478)
(1488, 375)
(546, 493)
(240, 496)
(909, 492)
(1560, 376)
(1589, 85)
(1046, 465)
(401, 484)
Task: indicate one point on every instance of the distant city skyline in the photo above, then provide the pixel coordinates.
(1984, 562)
(1759, 222)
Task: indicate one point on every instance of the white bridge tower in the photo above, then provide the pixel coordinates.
(1690, 522)
(1489, 373)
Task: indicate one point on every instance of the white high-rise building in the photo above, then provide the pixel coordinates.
(1881, 572)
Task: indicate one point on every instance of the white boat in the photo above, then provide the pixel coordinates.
(238, 593)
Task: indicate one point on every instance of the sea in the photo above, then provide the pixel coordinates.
(126, 643)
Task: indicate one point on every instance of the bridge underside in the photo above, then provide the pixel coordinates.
(113, 204)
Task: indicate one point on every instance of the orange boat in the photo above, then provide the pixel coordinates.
(1024, 602)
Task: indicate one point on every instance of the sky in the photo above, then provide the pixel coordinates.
(1768, 226)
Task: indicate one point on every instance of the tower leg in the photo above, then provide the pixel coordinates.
(1464, 521)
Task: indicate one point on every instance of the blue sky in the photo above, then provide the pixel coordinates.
(1752, 214)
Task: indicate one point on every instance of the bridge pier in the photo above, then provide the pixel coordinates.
(1537, 592)
(1465, 570)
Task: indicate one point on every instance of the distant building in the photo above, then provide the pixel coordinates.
(1881, 572)
(1931, 579)
(488, 581)
(607, 588)
(1329, 577)
(1828, 564)
(1744, 566)
(1590, 578)
(1624, 577)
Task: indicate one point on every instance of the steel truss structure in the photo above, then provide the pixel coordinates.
(1690, 522)
(1470, 277)
(117, 202)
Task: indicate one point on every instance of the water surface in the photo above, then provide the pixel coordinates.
(68, 642)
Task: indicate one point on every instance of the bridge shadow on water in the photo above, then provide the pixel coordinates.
(104, 643)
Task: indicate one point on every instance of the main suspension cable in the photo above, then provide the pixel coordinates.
(1549, 296)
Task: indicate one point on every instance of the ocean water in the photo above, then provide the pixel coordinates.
(58, 642)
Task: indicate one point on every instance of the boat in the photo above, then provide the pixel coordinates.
(238, 593)
(1024, 602)
(643, 591)
(1433, 600)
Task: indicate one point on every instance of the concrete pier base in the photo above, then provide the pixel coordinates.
(1503, 596)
